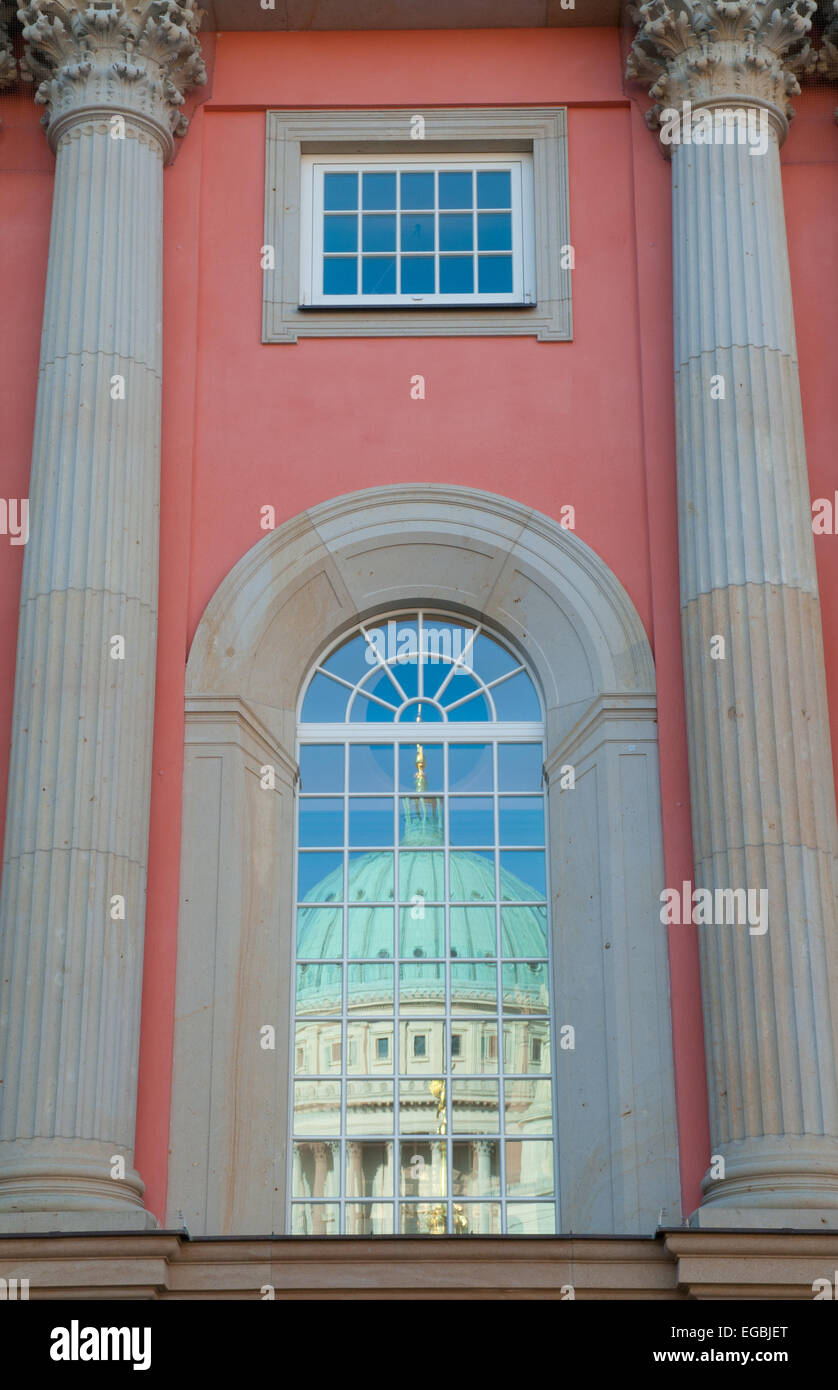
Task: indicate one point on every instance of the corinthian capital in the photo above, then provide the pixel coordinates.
(8, 66)
(710, 52)
(828, 56)
(111, 58)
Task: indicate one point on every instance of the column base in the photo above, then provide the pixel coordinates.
(720, 1217)
(65, 1185)
(44, 1223)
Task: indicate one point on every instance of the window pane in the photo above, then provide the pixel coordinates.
(476, 1168)
(520, 766)
(378, 275)
(351, 660)
(370, 987)
(523, 931)
(370, 1048)
(422, 987)
(526, 1047)
(477, 1219)
(417, 232)
(455, 190)
(370, 878)
(494, 276)
(521, 820)
(340, 276)
(340, 233)
(321, 821)
(421, 1047)
(321, 767)
(516, 698)
(320, 933)
(422, 930)
(369, 1169)
(421, 875)
(315, 1219)
(456, 275)
(432, 754)
(371, 820)
(471, 876)
(371, 767)
(478, 1050)
(455, 231)
(531, 1219)
(494, 189)
(368, 1111)
(325, 701)
(422, 1169)
(417, 190)
(379, 233)
(340, 191)
(474, 985)
(473, 932)
(320, 876)
(417, 1108)
(529, 1108)
(316, 1170)
(470, 767)
(319, 989)
(471, 820)
(369, 1219)
(317, 1110)
(494, 232)
(525, 987)
(529, 1167)
(522, 875)
(370, 932)
(474, 1107)
(379, 190)
(418, 275)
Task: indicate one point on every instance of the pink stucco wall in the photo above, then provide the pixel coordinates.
(244, 424)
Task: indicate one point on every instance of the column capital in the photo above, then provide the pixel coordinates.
(110, 58)
(8, 66)
(714, 53)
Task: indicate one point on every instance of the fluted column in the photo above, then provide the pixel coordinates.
(72, 908)
(762, 791)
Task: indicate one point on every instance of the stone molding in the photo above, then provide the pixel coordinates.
(721, 53)
(105, 59)
(674, 1265)
(560, 606)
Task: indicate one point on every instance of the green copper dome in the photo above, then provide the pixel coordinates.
(421, 881)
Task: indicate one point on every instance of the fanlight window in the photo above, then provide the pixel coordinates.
(423, 1094)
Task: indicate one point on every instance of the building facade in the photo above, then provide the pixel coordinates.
(420, 841)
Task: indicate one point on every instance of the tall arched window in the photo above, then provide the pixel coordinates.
(422, 1048)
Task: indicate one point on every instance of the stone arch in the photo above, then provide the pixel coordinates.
(555, 600)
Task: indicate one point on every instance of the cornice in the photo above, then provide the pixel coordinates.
(712, 53)
(135, 61)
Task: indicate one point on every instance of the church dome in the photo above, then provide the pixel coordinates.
(422, 880)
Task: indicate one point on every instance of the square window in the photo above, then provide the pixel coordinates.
(418, 230)
(462, 194)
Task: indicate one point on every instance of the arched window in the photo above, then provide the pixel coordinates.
(422, 1048)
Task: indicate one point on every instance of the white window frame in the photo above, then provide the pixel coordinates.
(312, 171)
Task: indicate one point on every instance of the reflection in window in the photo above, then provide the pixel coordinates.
(423, 1094)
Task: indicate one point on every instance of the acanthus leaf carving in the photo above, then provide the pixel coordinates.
(707, 51)
(135, 60)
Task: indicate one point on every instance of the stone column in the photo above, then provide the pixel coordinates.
(72, 910)
(762, 791)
